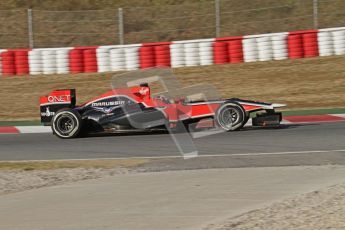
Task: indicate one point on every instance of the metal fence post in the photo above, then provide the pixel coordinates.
(30, 29)
(217, 17)
(120, 26)
(316, 13)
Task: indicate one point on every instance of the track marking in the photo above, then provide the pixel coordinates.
(179, 156)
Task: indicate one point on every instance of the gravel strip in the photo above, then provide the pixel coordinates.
(21, 180)
(322, 209)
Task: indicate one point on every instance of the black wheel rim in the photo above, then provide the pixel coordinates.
(228, 117)
(65, 124)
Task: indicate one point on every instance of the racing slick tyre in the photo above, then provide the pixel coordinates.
(230, 117)
(67, 124)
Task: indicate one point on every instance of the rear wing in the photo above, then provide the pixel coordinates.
(54, 101)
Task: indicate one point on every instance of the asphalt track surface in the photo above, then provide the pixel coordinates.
(307, 140)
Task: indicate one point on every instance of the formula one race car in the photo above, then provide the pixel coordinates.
(134, 109)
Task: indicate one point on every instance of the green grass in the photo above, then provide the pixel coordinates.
(314, 112)
(19, 123)
(70, 164)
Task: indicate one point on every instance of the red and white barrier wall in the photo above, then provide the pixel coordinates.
(251, 48)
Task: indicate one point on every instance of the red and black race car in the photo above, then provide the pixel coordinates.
(134, 109)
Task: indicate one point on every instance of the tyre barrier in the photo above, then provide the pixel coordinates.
(303, 44)
(339, 42)
(83, 60)
(177, 55)
(191, 54)
(147, 57)
(325, 43)
(336, 39)
(8, 63)
(35, 62)
(62, 61)
(131, 54)
(49, 61)
(272, 46)
(295, 46)
(154, 55)
(228, 50)
(90, 60)
(21, 62)
(206, 52)
(103, 59)
(220, 52)
(162, 55)
(279, 46)
(251, 48)
(117, 59)
(310, 44)
(235, 50)
(265, 49)
(76, 61)
(1, 51)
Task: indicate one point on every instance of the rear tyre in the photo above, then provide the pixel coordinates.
(230, 117)
(67, 124)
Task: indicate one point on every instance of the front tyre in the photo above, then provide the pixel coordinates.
(230, 117)
(67, 124)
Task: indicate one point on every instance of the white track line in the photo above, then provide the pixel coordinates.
(34, 129)
(180, 156)
(338, 115)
